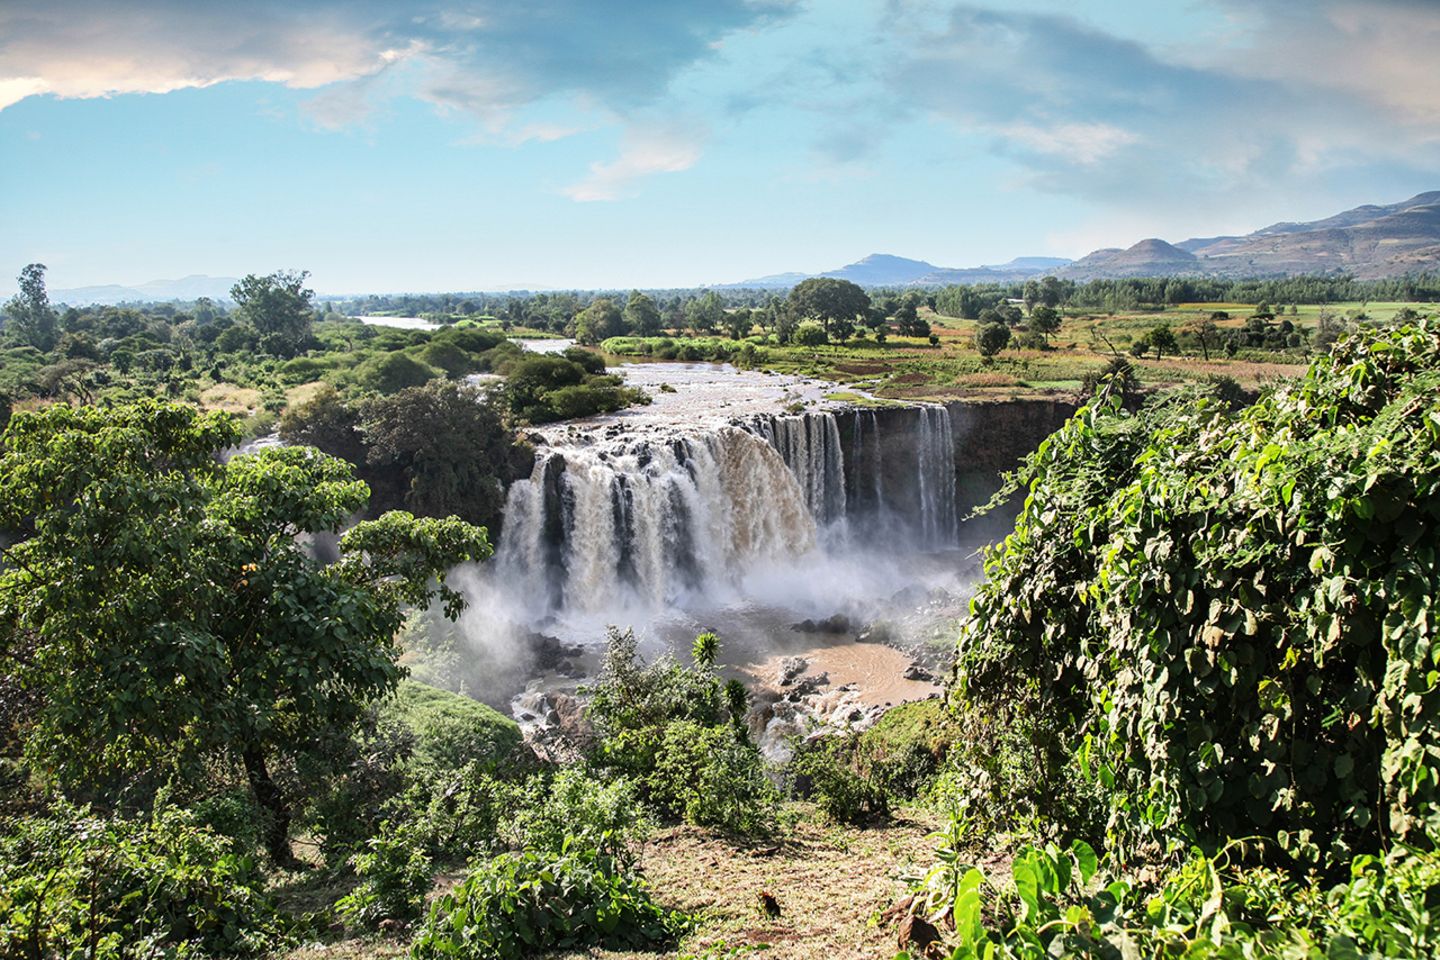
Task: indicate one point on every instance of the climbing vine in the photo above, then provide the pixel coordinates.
(1222, 623)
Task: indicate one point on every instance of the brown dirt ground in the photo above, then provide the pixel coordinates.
(832, 884)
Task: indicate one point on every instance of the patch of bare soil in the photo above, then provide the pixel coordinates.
(831, 885)
(877, 672)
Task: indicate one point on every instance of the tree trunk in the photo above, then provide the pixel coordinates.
(270, 799)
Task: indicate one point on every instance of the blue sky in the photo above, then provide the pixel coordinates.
(387, 145)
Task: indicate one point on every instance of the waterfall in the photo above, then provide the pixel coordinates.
(867, 463)
(935, 453)
(650, 520)
(656, 518)
(897, 483)
(810, 446)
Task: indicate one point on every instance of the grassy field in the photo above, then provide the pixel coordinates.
(906, 368)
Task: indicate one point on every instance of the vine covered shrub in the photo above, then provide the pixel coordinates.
(1224, 622)
(75, 884)
(1060, 903)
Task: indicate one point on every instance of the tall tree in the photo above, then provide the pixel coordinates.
(705, 313)
(1162, 338)
(452, 453)
(279, 307)
(599, 322)
(169, 618)
(739, 323)
(828, 299)
(991, 338)
(1045, 320)
(642, 317)
(29, 317)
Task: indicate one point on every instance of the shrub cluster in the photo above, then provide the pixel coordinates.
(75, 883)
(682, 737)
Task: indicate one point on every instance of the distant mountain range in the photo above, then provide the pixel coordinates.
(1369, 242)
(886, 270)
(186, 288)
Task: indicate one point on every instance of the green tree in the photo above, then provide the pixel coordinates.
(1030, 293)
(705, 313)
(599, 322)
(786, 323)
(642, 317)
(909, 322)
(326, 422)
(1162, 339)
(739, 323)
(1045, 320)
(828, 299)
(29, 317)
(162, 607)
(279, 307)
(991, 338)
(449, 446)
(1052, 292)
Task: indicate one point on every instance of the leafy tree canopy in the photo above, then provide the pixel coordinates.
(828, 299)
(279, 307)
(159, 604)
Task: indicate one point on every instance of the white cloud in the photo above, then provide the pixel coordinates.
(643, 154)
(1380, 50)
(489, 58)
(1083, 143)
(87, 49)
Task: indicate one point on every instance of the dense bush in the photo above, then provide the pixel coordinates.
(679, 733)
(1222, 622)
(854, 777)
(573, 807)
(520, 904)
(547, 387)
(449, 730)
(395, 874)
(810, 334)
(74, 884)
(848, 792)
(425, 755)
(391, 372)
(712, 776)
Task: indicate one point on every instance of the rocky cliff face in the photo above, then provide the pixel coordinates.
(990, 439)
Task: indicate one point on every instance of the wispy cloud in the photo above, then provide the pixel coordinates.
(643, 153)
(1082, 143)
(1093, 114)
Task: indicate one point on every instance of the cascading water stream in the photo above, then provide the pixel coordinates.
(652, 520)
